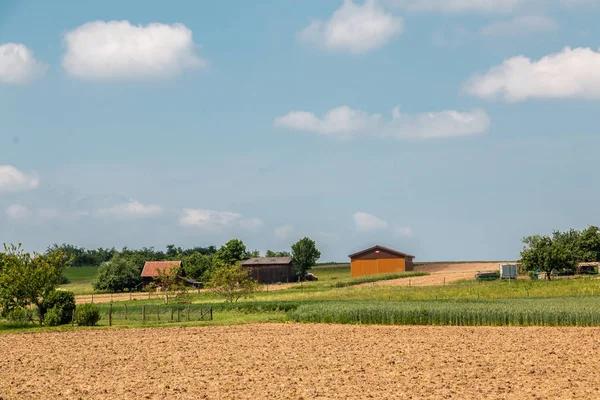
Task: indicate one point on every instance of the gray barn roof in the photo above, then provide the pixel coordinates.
(267, 261)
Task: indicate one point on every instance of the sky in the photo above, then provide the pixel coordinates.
(447, 129)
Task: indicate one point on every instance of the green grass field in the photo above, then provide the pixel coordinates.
(81, 279)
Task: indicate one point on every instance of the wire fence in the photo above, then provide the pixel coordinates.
(155, 313)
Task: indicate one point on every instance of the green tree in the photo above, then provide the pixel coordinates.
(271, 253)
(230, 253)
(118, 274)
(169, 281)
(62, 302)
(253, 254)
(549, 253)
(197, 266)
(27, 279)
(304, 255)
(233, 282)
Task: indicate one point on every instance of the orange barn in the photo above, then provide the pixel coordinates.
(379, 260)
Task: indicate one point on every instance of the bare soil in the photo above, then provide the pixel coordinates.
(302, 361)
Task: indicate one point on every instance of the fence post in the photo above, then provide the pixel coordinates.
(211, 313)
(130, 295)
(158, 312)
(125, 312)
(72, 317)
(148, 294)
(143, 314)
(178, 313)
(111, 297)
(171, 314)
(188, 313)
(92, 297)
(110, 315)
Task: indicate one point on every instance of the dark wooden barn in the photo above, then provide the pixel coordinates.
(271, 269)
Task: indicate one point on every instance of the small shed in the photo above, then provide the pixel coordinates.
(379, 260)
(151, 269)
(587, 268)
(271, 269)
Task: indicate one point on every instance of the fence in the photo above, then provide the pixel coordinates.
(155, 313)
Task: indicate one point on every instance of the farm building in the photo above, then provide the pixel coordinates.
(379, 260)
(151, 268)
(587, 268)
(271, 269)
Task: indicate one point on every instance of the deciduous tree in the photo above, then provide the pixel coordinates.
(27, 279)
(233, 282)
(304, 255)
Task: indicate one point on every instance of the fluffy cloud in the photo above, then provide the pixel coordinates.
(283, 232)
(13, 180)
(345, 122)
(118, 49)
(212, 220)
(571, 73)
(354, 28)
(520, 26)
(130, 209)
(18, 212)
(367, 223)
(18, 65)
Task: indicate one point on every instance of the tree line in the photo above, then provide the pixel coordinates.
(121, 270)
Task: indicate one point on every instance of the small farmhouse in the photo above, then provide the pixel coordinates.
(379, 260)
(271, 269)
(151, 268)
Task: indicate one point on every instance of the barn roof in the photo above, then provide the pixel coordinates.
(377, 247)
(151, 268)
(267, 261)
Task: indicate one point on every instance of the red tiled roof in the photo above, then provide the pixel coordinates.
(377, 247)
(151, 268)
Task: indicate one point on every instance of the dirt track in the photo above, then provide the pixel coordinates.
(289, 361)
(440, 274)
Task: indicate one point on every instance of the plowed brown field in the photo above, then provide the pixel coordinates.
(289, 361)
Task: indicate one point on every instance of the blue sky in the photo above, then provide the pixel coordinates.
(447, 129)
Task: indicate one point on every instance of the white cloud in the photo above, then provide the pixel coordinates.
(130, 209)
(461, 6)
(18, 212)
(212, 220)
(118, 49)
(571, 73)
(520, 26)
(13, 180)
(367, 223)
(284, 232)
(18, 65)
(354, 28)
(345, 122)
(404, 231)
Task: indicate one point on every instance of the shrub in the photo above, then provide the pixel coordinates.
(20, 315)
(53, 316)
(63, 302)
(87, 314)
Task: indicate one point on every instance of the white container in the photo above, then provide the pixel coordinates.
(508, 271)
